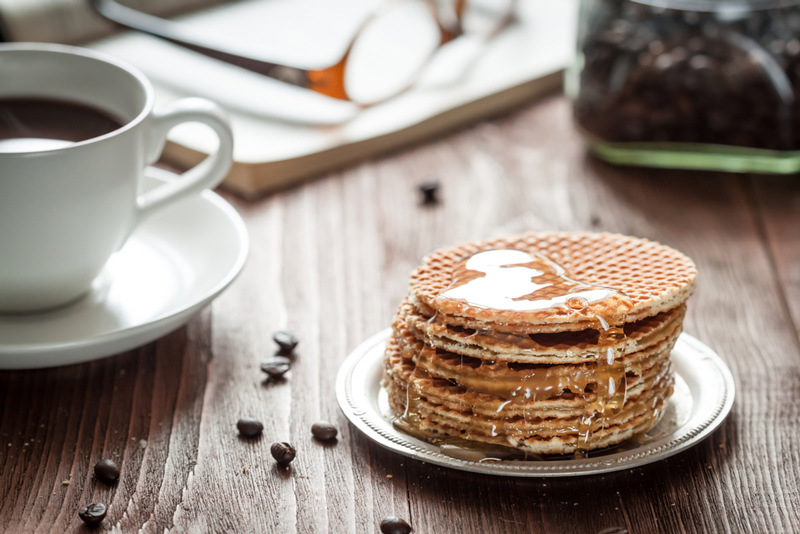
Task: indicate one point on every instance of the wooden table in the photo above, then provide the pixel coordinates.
(330, 262)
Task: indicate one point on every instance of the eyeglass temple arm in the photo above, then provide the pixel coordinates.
(454, 27)
(328, 81)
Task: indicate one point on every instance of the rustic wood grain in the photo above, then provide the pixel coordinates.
(329, 261)
(777, 200)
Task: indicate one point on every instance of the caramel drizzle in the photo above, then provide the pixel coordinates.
(518, 281)
(535, 342)
(523, 385)
(415, 410)
(513, 280)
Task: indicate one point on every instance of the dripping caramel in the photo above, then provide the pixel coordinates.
(519, 281)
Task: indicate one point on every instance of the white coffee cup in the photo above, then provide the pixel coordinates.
(65, 211)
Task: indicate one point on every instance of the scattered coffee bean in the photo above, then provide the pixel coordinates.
(324, 431)
(286, 341)
(93, 514)
(276, 367)
(106, 471)
(283, 453)
(249, 427)
(430, 192)
(395, 525)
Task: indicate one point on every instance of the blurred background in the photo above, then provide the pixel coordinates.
(313, 86)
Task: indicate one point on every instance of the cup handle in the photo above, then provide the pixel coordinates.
(208, 173)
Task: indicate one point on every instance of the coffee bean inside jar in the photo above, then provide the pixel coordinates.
(689, 71)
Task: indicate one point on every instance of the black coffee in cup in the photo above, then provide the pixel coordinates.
(34, 124)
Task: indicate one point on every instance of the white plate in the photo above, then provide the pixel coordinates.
(174, 264)
(704, 392)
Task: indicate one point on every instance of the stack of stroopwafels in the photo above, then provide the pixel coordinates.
(496, 343)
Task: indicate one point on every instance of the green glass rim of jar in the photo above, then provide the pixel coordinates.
(699, 156)
(719, 5)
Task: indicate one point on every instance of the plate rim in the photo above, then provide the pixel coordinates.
(659, 449)
(176, 314)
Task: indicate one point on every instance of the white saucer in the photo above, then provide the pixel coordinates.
(704, 393)
(174, 264)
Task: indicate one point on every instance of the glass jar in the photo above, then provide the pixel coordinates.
(705, 84)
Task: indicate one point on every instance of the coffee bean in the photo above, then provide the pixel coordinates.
(689, 83)
(430, 192)
(93, 514)
(395, 525)
(283, 453)
(276, 367)
(249, 427)
(324, 431)
(286, 341)
(106, 471)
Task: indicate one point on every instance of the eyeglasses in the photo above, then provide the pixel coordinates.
(387, 54)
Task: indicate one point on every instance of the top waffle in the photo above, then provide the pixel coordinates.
(654, 278)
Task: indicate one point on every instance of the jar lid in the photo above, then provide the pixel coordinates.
(719, 5)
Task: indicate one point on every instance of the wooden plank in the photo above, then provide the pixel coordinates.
(329, 262)
(778, 202)
(72, 417)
